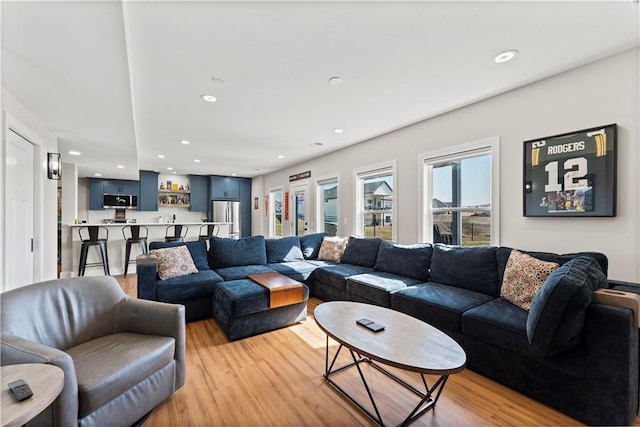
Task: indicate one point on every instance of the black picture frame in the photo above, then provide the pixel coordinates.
(571, 174)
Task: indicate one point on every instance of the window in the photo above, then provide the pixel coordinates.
(375, 201)
(275, 212)
(328, 205)
(460, 201)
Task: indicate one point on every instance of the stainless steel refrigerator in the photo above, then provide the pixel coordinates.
(226, 211)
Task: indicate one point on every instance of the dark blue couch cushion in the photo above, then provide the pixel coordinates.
(183, 288)
(198, 250)
(242, 297)
(503, 253)
(336, 275)
(310, 245)
(242, 271)
(297, 270)
(557, 312)
(440, 305)
(361, 251)
(406, 260)
(376, 287)
(286, 249)
(474, 268)
(500, 323)
(233, 252)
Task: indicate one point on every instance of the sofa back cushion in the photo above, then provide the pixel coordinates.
(473, 267)
(557, 312)
(224, 252)
(286, 249)
(198, 250)
(504, 252)
(405, 260)
(361, 251)
(310, 245)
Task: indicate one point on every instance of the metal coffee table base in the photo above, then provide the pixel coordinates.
(427, 402)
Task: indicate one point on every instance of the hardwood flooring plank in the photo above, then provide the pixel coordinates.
(275, 379)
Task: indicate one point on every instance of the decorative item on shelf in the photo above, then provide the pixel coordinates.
(162, 185)
(181, 187)
(54, 167)
(186, 187)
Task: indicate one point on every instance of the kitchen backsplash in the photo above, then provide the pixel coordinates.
(164, 215)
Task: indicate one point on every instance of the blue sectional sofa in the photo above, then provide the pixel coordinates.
(566, 351)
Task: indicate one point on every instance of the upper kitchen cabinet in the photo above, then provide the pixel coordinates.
(96, 193)
(148, 199)
(120, 186)
(199, 193)
(225, 188)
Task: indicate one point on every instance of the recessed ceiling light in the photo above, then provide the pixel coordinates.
(335, 80)
(217, 80)
(174, 172)
(505, 56)
(184, 142)
(120, 166)
(234, 174)
(75, 153)
(280, 156)
(338, 130)
(197, 160)
(209, 98)
(169, 168)
(97, 174)
(161, 156)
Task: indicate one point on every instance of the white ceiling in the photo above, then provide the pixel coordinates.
(121, 81)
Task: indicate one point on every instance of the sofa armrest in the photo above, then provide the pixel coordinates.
(155, 318)
(15, 350)
(612, 345)
(147, 271)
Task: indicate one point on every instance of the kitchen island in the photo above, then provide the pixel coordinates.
(116, 243)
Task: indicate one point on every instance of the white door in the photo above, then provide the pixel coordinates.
(300, 199)
(19, 211)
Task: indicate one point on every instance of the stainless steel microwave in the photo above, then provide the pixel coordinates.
(120, 201)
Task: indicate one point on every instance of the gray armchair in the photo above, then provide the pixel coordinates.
(121, 356)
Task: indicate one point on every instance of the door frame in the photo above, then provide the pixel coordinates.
(15, 125)
(300, 187)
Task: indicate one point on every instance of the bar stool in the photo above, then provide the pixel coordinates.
(93, 235)
(176, 233)
(131, 234)
(212, 230)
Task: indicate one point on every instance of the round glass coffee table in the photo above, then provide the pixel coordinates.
(405, 343)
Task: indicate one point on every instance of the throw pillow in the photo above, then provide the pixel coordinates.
(557, 313)
(524, 275)
(174, 262)
(332, 248)
(361, 251)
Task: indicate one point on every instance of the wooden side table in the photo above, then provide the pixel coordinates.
(46, 382)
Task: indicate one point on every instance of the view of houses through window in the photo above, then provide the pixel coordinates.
(328, 203)
(377, 203)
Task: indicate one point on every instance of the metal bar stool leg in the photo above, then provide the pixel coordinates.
(105, 258)
(83, 259)
(127, 254)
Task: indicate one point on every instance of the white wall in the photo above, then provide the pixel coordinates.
(46, 238)
(600, 93)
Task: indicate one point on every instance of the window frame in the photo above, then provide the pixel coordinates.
(488, 146)
(320, 182)
(372, 171)
(272, 211)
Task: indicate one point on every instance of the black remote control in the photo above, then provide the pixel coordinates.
(20, 389)
(364, 322)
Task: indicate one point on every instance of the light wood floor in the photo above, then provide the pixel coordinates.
(275, 379)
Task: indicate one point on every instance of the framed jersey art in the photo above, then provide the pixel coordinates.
(572, 174)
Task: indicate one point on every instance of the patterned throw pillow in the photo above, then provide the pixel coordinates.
(174, 262)
(332, 248)
(524, 275)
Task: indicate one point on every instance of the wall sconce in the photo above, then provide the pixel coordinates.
(54, 167)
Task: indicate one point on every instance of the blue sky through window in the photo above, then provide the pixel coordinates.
(476, 182)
